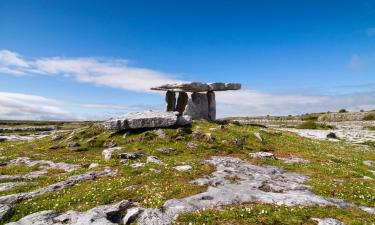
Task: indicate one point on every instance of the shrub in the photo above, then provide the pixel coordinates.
(314, 126)
(343, 111)
(369, 116)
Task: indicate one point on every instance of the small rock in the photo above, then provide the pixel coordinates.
(294, 160)
(209, 137)
(212, 129)
(154, 170)
(263, 155)
(257, 135)
(191, 145)
(137, 165)
(154, 159)
(197, 134)
(107, 153)
(179, 138)
(72, 144)
(56, 137)
(183, 168)
(367, 178)
(3, 163)
(93, 165)
(160, 133)
(331, 135)
(109, 144)
(166, 150)
(52, 147)
(131, 155)
(369, 163)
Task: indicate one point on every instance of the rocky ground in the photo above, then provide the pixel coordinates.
(234, 172)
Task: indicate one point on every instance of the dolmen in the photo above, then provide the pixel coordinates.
(201, 104)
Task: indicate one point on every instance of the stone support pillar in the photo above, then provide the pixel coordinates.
(211, 105)
(170, 98)
(181, 102)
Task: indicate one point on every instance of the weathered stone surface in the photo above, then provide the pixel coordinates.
(10, 185)
(141, 120)
(100, 215)
(56, 137)
(131, 214)
(294, 159)
(211, 105)
(154, 159)
(369, 163)
(47, 165)
(170, 98)
(263, 155)
(328, 221)
(256, 184)
(183, 168)
(181, 102)
(131, 155)
(39, 218)
(197, 107)
(7, 201)
(198, 87)
(107, 153)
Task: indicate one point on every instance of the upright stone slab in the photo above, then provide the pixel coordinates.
(211, 105)
(181, 102)
(197, 107)
(170, 98)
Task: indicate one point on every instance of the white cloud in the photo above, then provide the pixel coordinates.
(250, 103)
(356, 62)
(119, 74)
(109, 72)
(30, 107)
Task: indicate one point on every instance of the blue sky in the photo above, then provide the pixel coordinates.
(97, 59)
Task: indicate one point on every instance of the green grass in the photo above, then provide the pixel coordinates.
(335, 170)
(369, 117)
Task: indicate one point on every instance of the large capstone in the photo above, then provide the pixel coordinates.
(145, 120)
(198, 87)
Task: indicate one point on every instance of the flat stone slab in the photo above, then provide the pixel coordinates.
(148, 119)
(198, 87)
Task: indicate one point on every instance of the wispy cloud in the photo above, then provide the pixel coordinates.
(356, 62)
(370, 31)
(116, 73)
(30, 107)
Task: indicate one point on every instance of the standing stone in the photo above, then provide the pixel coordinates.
(181, 102)
(211, 105)
(170, 98)
(197, 107)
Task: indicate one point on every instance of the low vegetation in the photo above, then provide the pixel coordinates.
(314, 125)
(335, 170)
